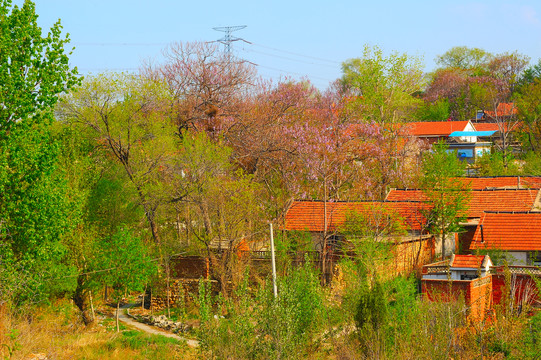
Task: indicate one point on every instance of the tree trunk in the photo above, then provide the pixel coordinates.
(117, 311)
(80, 300)
(143, 299)
(91, 306)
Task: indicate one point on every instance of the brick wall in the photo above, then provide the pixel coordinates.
(476, 294)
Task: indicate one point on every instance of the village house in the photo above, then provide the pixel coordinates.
(462, 277)
(461, 136)
(401, 223)
(503, 193)
(515, 235)
(474, 280)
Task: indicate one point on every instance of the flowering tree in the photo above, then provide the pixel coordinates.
(206, 85)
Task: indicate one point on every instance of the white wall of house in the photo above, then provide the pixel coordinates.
(470, 139)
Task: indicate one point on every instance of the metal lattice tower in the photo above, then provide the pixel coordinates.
(228, 39)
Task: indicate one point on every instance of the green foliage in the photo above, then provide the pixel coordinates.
(129, 117)
(33, 72)
(376, 223)
(372, 308)
(531, 345)
(446, 194)
(438, 110)
(34, 69)
(463, 57)
(293, 241)
(532, 164)
(384, 85)
(284, 327)
(204, 300)
(124, 263)
(492, 164)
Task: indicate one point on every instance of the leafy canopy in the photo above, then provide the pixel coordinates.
(34, 69)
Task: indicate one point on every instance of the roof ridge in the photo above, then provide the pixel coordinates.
(511, 212)
(360, 201)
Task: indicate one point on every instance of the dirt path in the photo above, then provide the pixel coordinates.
(150, 329)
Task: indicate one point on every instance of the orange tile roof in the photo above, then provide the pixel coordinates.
(309, 215)
(500, 200)
(468, 261)
(508, 231)
(436, 128)
(480, 200)
(486, 127)
(503, 109)
(533, 182)
(406, 195)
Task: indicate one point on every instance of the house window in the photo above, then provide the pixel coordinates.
(535, 258)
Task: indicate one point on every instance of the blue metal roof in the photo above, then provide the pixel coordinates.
(471, 133)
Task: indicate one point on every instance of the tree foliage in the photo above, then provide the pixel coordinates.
(446, 194)
(383, 87)
(34, 69)
(34, 207)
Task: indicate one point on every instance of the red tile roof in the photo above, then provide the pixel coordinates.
(436, 128)
(468, 261)
(482, 126)
(533, 182)
(480, 200)
(503, 109)
(508, 231)
(500, 200)
(486, 127)
(406, 195)
(309, 215)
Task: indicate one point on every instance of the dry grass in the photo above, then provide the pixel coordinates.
(58, 332)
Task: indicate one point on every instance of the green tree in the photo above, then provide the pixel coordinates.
(34, 207)
(102, 204)
(463, 57)
(125, 263)
(34, 69)
(447, 195)
(129, 116)
(528, 103)
(384, 86)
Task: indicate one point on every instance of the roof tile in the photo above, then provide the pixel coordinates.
(309, 215)
(508, 231)
(436, 128)
(468, 261)
(480, 200)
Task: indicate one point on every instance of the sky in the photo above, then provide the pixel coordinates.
(290, 39)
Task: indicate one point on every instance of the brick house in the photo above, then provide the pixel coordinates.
(464, 277)
(517, 234)
(489, 194)
(400, 223)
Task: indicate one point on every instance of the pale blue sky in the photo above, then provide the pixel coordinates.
(291, 38)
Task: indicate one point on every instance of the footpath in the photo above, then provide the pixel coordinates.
(122, 316)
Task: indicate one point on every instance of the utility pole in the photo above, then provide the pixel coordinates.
(273, 259)
(228, 38)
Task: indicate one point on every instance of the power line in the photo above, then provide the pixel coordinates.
(117, 44)
(288, 58)
(292, 72)
(297, 54)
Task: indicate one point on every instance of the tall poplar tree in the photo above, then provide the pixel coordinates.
(34, 70)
